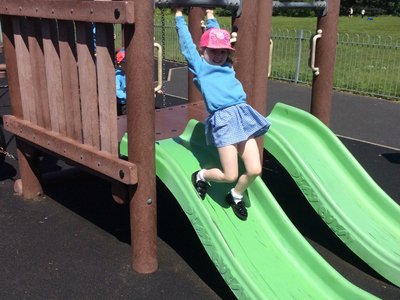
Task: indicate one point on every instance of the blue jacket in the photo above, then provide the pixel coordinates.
(218, 84)
(120, 84)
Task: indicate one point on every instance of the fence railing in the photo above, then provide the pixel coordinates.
(366, 65)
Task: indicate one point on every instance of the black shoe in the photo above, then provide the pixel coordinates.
(238, 208)
(199, 185)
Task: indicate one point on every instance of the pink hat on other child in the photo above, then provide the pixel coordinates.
(120, 55)
(216, 38)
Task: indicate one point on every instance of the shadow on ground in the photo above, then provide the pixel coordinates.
(90, 197)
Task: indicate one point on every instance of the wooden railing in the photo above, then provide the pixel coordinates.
(61, 79)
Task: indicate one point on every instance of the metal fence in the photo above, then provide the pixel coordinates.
(366, 65)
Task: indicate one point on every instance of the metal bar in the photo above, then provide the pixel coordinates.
(313, 49)
(299, 47)
(118, 12)
(100, 161)
(319, 6)
(232, 5)
(159, 67)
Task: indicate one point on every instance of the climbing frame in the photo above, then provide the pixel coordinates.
(61, 78)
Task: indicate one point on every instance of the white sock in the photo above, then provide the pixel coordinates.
(236, 197)
(200, 175)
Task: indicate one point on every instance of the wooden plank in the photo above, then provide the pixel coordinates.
(99, 161)
(167, 125)
(69, 73)
(24, 69)
(29, 184)
(88, 84)
(53, 75)
(106, 88)
(11, 60)
(38, 73)
(26, 158)
(116, 12)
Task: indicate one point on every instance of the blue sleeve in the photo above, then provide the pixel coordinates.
(188, 48)
(212, 23)
(121, 93)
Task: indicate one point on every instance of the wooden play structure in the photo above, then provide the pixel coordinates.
(62, 91)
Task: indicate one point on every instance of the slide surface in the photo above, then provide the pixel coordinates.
(356, 209)
(264, 257)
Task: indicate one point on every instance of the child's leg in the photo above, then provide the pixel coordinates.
(248, 151)
(229, 163)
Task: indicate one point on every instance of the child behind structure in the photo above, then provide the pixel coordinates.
(232, 125)
(120, 82)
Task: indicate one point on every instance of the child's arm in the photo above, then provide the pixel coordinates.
(188, 48)
(211, 20)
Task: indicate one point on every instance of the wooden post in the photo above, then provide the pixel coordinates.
(252, 52)
(261, 62)
(140, 125)
(245, 47)
(322, 87)
(29, 185)
(196, 14)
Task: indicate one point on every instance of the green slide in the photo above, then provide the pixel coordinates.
(264, 257)
(355, 208)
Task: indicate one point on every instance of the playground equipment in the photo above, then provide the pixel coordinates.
(256, 257)
(63, 102)
(63, 98)
(235, 6)
(321, 7)
(347, 199)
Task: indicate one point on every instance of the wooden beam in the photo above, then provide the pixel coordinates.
(116, 12)
(99, 161)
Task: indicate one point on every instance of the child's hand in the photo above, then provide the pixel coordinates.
(178, 11)
(209, 13)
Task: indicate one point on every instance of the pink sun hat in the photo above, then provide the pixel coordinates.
(216, 38)
(120, 55)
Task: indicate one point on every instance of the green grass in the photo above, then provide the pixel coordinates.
(383, 25)
(367, 58)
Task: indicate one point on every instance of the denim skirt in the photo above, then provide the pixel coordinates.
(234, 124)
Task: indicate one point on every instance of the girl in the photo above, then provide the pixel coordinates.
(232, 125)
